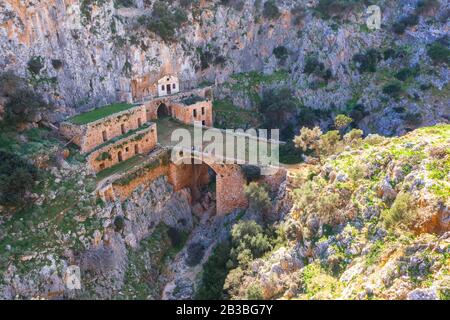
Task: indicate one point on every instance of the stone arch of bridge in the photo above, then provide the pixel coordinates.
(230, 180)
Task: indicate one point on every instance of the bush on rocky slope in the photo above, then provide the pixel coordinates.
(164, 21)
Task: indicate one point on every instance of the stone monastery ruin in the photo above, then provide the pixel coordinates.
(120, 142)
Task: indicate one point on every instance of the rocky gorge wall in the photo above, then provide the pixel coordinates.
(105, 266)
(89, 52)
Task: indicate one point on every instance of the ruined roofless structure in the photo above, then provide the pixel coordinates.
(120, 142)
(117, 132)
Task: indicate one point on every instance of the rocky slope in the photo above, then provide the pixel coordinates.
(371, 222)
(64, 224)
(85, 53)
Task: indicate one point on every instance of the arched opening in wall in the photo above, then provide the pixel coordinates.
(139, 122)
(122, 128)
(162, 111)
(119, 156)
(136, 149)
(203, 190)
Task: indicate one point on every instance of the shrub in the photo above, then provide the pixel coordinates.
(309, 139)
(195, 253)
(313, 65)
(103, 156)
(258, 197)
(281, 53)
(180, 16)
(329, 142)
(210, 56)
(318, 284)
(188, 3)
(367, 62)
(248, 242)
(405, 73)
(214, 274)
(328, 9)
(354, 137)
(119, 223)
(426, 6)
(25, 105)
(176, 237)
(403, 211)
(17, 177)
(358, 112)
(124, 3)
(413, 118)
(341, 121)
(163, 21)
(389, 53)
(237, 5)
(374, 139)
(393, 89)
(275, 105)
(35, 65)
(439, 53)
(233, 283)
(400, 26)
(254, 292)
(271, 10)
(356, 171)
(289, 154)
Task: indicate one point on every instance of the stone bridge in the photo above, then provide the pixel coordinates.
(230, 180)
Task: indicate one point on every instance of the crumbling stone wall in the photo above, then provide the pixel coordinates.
(72, 132)
(183, 176)
(200, 111)
(141, 142)
(90, 135)
(179, 110)
(130, 119)
(142, 87)
(124, 190)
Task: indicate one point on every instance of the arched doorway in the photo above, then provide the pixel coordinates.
(162, 111)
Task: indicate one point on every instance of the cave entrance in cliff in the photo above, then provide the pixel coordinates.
(162, 111)
(203, 190)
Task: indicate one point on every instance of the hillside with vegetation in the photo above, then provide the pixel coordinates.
(370, 220)
(364, 114)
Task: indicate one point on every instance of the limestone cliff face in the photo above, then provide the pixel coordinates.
(91, 53)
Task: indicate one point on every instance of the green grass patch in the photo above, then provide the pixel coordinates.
(120, 167)
(229, 116)
(100, 113)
